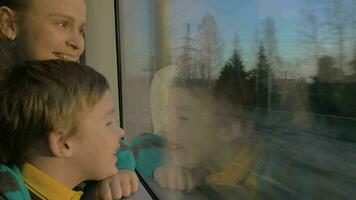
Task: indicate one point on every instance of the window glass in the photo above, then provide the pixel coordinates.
(235, 99)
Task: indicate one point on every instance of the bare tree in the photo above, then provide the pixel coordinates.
(209, 47)
(310, 33)
(353, 32)
(337, 21)
(270, 39)
(186, 64)
(271, 45)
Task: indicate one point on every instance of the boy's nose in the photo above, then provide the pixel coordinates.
(174, 136)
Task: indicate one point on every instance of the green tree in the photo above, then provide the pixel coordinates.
(262, 76)
(232, 83)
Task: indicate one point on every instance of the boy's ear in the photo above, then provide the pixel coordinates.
(59, 145)
(8, 22)
(230, 133)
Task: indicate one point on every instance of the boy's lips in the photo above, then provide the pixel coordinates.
(117, 149)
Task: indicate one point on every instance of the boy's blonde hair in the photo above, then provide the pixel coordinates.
(38, 97)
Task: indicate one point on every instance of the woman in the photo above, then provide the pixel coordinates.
(52, 29)
(41, 29)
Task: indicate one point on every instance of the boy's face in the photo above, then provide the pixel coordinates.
(52, 29)
(97, 140)
(189, 129)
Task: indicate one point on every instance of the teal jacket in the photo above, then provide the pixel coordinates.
(126, 159)
(150, 152)
(12, 186)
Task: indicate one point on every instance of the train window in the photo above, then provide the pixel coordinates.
(236, 99)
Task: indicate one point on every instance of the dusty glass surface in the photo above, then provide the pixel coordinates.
(250, 99)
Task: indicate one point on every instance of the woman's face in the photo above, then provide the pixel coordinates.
(51, 29)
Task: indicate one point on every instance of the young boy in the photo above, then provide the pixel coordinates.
(201, 143)
(58, 126)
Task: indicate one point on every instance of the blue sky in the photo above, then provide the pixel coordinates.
(246, 18)
(242, 16)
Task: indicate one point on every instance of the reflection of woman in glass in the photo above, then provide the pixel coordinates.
(51, 29)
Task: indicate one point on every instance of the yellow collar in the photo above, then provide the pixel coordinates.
(238, 171)
(45, 186)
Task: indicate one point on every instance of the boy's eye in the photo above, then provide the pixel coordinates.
(109, 123)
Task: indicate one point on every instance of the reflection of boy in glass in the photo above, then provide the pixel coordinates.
(204, 142)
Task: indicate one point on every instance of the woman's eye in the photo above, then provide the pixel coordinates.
(62, 24)
(81, 31)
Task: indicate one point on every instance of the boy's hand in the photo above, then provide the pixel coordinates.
(175, 178)
(122, 184)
